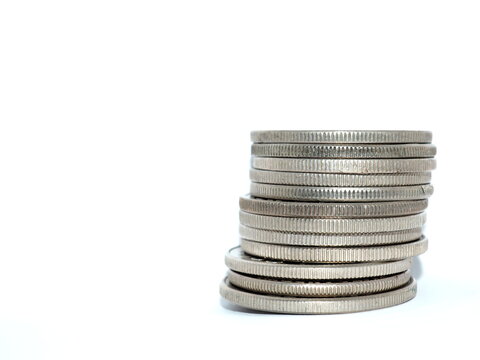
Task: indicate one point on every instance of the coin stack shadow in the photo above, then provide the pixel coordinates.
(332, 221)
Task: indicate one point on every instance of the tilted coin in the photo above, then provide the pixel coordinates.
(344, 151)
(340, 136)
(347, 180)
(322, 226)
(237, 260)
(296, 305)
(345, 166)
(331, 210)
(335, 254)
(317, 288)
(303, 239)
(308, 193)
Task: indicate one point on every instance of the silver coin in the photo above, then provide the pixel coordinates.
(302, 239)
(341, 137)
(296, 305)
(237, 260)
(345, 166)
(325, 226)
(344, 151)
(341, 194)
(316, 288)
(341, 180)
(331, 210)
(335, 254)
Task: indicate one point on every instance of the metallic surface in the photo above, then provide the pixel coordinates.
(237, 260)
(323, 226)
(344, 151)
(295, 305)
(342, 180)
(341, 137)
(330, 210)
(335, 254)
(344, 166)
(317, 288)
(303, 239)
(341, 194)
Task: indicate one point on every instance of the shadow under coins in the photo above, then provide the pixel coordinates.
(417, 268)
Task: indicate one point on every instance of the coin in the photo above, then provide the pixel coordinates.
(341, 137)
(324, 226)
(345, 166)
(335, 254)
(303, 239)
(331, 210)
(308, 193)
(344, 151)
(342, 180)
(237, 260)
(295, 305)
(316, 288)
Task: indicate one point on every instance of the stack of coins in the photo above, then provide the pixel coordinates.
(332, 221)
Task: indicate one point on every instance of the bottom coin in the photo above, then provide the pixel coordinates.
(295, 305)
(317, 288)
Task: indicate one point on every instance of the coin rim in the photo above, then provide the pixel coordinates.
(310, 289)
(323, 254)
(237, 260)
(295, 305)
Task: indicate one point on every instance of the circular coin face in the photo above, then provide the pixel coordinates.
(341, 137)
(298, 305)
(331, 210)
(335, 254)
(317, 288)
(238, 261)
(344, 151)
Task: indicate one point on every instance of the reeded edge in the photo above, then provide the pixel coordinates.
(302, 288)
(330, 240)
(295, 305)
(344, 151)
(341, 194)
(337, 226)
(344, 210)
(339, 179)
(342, 136)
(344, 166)
(237, 260)
(318, 254)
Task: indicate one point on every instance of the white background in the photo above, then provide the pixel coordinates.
(124, 145)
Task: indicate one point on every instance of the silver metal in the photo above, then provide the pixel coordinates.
(342, 194)
(302, 239)
(330, 210)
(316, 288)
(340, 180)
(237, 260)
(341, 136)
(344, 166)
(345, 151)
(325, 226)
(295, 305)
(335, 254)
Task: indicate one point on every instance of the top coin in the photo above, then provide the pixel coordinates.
(342, 137)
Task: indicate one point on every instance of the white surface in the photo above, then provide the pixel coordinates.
(124, 145)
